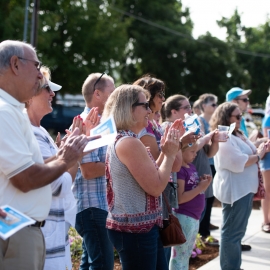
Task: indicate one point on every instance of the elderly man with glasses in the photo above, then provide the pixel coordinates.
(90, 185)
(24, 178)
(240, 97)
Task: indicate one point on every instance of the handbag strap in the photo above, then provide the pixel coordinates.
(167, 203)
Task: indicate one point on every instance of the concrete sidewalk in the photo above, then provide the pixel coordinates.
(259, 256)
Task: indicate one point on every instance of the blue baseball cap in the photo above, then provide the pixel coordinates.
(236, 92)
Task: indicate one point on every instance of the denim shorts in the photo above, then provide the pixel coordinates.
(265, 163)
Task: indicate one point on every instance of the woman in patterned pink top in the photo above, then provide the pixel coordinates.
(135, 183)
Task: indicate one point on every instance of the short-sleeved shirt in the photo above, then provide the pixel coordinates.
(194, 207)
(19, 151)
(243, 126)
(153, 130)
(207, 130)
(266, 121)
(201, 162)
(233, 180)
(265, 162)
(91, 192)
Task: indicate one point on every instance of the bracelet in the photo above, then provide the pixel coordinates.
(258, 158)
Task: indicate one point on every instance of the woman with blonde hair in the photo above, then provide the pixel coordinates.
(63, 207)
(135, 182)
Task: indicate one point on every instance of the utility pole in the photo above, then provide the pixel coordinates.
(35, 23)
(25, 20)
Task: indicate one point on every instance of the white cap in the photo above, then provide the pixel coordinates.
(54, 87)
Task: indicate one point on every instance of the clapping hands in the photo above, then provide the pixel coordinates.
(205, 181)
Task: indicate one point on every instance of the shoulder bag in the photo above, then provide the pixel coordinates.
(171, 234)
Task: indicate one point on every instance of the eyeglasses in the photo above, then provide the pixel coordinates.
(161, 94)
(188, 107)
(47, 87)
(98, 80)
(145, 104)
(244, 99)
(37, 63)
(238, 116)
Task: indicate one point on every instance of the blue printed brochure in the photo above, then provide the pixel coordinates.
(13, 222)
(108, 132)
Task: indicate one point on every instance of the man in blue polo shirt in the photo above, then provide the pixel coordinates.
(240, 97)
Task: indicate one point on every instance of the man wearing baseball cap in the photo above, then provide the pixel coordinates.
(240, 97)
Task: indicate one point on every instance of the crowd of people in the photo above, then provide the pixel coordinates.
(114, 195)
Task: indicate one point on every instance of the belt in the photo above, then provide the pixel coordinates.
(38, 224)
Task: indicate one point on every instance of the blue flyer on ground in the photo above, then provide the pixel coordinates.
(13, 222)
(108, 132)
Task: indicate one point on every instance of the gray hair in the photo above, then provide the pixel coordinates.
(8, 48)
(119, 105)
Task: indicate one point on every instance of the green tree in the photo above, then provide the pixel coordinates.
(252, 47)
(211, 68)
(12, 19)
(75, 38)
(158, 39)
(163, 45)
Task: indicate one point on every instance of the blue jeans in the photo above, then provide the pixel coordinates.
(235, 220)
(139, 251)
(167, 252)
(97, 248)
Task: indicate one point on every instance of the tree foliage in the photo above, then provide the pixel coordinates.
(252, 45)
(133, 37)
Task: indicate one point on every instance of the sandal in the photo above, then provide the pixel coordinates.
(210, 240)
(266, 228)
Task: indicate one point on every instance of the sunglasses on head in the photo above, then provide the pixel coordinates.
(47, 87)
(144, 104)
(238, 116)
(244, 99)
(97, 81)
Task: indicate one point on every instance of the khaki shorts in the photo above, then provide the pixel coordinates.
(24, 250)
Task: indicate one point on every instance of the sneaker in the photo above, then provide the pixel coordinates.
(210, 240)
(266, 228)
(245, 247)
(213, 227)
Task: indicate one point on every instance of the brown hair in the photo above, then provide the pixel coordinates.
(172, 103)
(222, 114)
(152, 85)
(206, 98)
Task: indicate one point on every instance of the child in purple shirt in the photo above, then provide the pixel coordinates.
(191, 204)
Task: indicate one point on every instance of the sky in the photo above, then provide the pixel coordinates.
(204, 14)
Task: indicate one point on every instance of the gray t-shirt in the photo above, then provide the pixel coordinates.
(202, 165)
